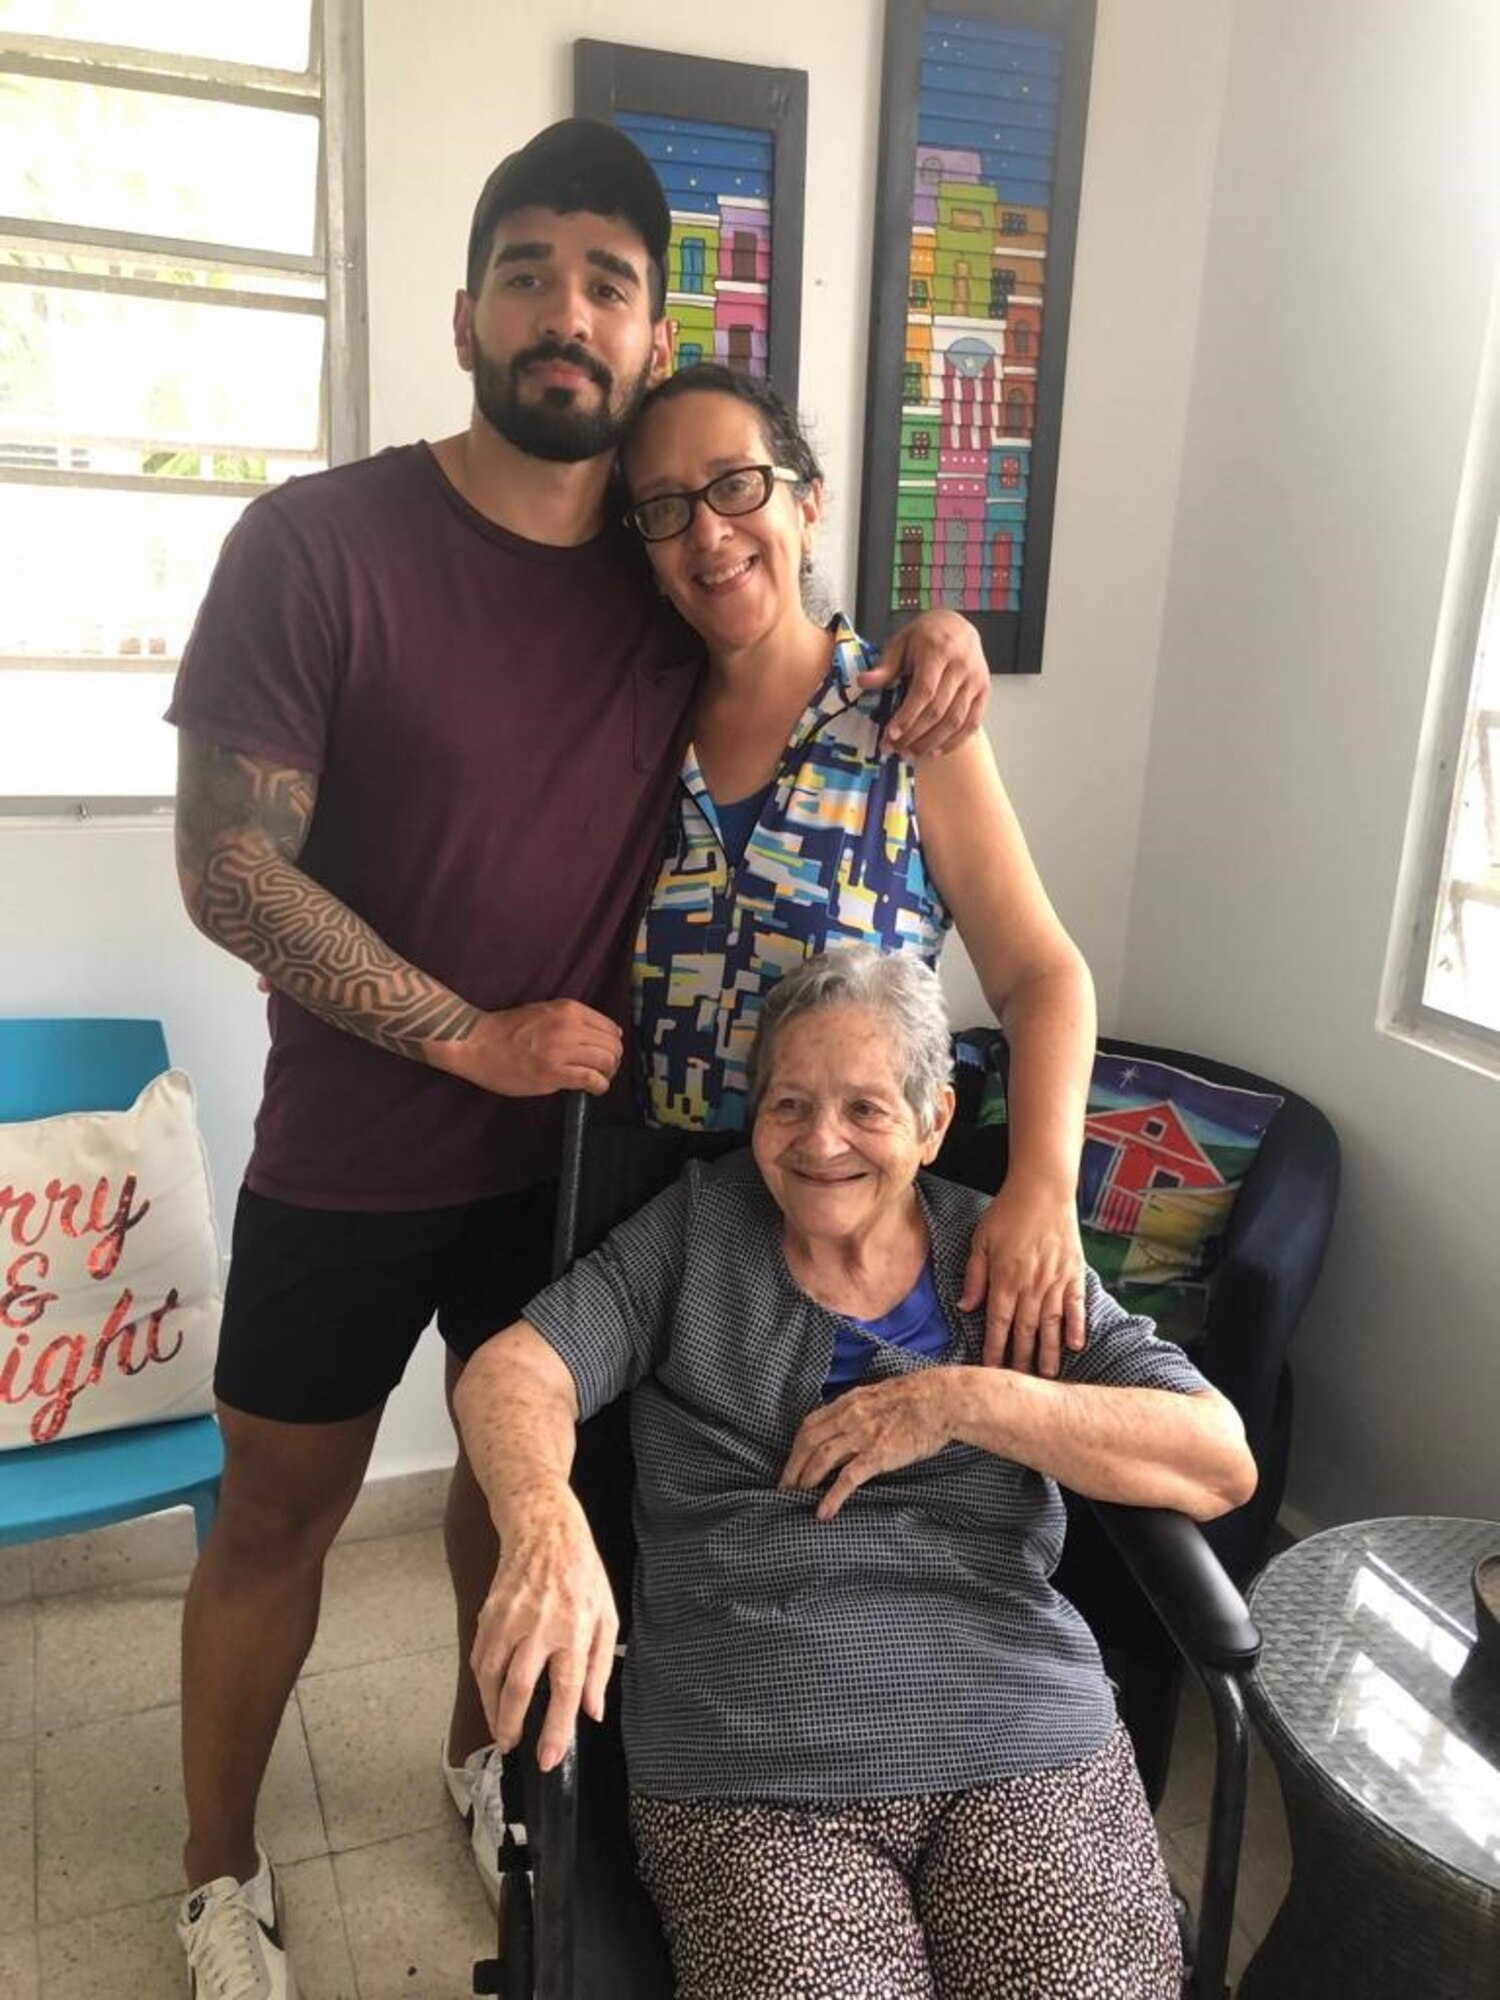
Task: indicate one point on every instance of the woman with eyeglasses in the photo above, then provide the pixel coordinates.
(795, 830)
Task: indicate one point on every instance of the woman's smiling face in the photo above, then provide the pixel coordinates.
(735, 579)
(835, 1139)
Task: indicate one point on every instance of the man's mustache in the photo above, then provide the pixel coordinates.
(565, 351)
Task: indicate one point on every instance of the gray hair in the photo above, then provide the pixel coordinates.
(898, 987)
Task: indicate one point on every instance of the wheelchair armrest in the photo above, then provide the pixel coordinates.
(1185, 1583)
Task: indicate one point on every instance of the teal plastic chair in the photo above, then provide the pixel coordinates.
(46, 1068)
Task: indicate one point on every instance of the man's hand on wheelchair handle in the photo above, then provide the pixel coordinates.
(550, 1609)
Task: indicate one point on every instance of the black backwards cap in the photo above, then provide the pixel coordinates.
(579, 163)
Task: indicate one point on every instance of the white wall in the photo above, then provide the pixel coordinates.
(1354, 231)
(1072, 743)
(96, 927)
(450, 87)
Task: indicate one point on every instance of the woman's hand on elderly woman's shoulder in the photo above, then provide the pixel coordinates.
(880, 1428)
(1026, 1265)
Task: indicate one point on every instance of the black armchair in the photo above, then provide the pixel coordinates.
(1273, 1251)
(575, 1924)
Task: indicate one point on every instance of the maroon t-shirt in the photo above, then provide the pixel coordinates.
(496, 726)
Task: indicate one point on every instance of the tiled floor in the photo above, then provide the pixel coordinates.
(1182, 1822)
(382, 1901)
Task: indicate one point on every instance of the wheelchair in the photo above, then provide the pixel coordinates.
(575, 1922)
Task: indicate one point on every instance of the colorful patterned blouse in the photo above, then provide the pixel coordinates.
(836, 858)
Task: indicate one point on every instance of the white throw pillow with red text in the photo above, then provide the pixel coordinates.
(109, 1269)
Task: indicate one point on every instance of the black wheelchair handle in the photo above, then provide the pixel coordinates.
(569, 1179)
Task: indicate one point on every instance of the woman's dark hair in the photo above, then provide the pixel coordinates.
(785, 439)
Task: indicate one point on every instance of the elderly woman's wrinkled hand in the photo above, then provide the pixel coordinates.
(550, 1607)
(1027, 1265)
(871, 1430)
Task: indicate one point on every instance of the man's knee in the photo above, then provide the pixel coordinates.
(287, 1488)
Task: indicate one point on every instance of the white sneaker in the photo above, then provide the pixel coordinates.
(231, 1932)
(474, 1787)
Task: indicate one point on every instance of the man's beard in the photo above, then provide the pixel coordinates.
(553, 426)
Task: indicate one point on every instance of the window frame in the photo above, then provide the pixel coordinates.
(1468, 617)
(333, 84)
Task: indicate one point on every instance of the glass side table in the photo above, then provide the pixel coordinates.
(1383, 1724)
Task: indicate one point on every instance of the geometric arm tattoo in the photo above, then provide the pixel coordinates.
(241, 823)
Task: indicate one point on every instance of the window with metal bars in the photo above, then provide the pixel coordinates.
(181, 328)
(1463, 973)
(1442, 984)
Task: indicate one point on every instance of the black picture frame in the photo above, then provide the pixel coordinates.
(1013, 631)
(613, 77)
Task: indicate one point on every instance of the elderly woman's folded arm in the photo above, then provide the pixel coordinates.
(550, 1606)
(1139, 1446)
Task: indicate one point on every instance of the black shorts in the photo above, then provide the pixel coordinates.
(323, 1306)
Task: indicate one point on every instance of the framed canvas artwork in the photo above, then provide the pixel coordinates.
(729, 145)
(982, 134)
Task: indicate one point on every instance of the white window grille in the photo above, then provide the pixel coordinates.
(181, 327)
(1442, 985)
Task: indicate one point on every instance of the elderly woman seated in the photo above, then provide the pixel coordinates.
(872, 1751)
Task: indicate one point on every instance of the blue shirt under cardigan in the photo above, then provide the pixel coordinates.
(915, 1322)
(915, 1643)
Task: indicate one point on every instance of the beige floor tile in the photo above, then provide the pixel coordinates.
(17, 1840)
(1265, 1870)
(19, 1978)
(383, 1599)
(135, 1949)
(1265, 1786)
(398, 1506)
(1191, 1772)
(104, 1653)
(1265, 1866)
(139, 1948)
(1241, 1951)
(1185, 1801)
(373, 1732)
(110, 1818)
(316, 1938)
(17, 1679)
(15, 1574)
(159, 1545)
(416, 1914)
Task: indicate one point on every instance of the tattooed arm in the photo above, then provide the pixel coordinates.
(241, 824)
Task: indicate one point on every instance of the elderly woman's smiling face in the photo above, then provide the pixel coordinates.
(835, 1139)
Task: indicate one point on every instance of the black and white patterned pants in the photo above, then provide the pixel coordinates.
(1048, 1886)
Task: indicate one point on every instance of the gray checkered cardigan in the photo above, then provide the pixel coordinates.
(913, 1644)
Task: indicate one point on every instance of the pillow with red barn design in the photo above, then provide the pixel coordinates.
(109, 1269)
(1165, 1152)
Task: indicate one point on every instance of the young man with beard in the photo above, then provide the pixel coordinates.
(432, 713)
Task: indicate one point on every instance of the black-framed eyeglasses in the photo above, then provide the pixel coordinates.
(743, 490)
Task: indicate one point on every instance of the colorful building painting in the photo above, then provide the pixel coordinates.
(693, 255)
(1134, 1153)
(718, 185)
(987, 119)
(691, 323)
(746, 241)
